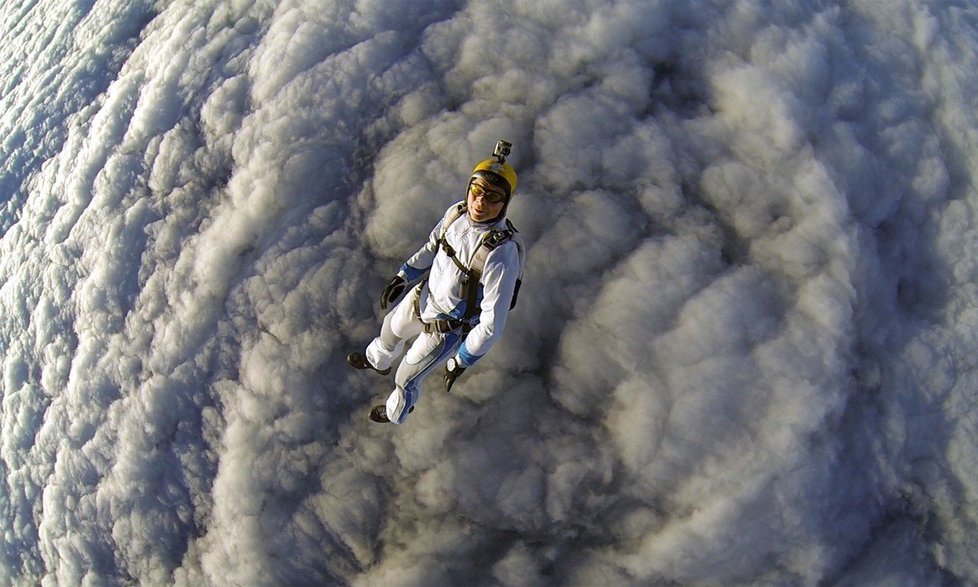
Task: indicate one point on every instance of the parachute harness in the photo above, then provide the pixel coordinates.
(498, 169)
(472, 272)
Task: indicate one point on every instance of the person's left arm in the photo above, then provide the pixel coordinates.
(498, 283)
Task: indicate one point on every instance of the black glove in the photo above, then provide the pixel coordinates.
(393, 291)
(453, 369)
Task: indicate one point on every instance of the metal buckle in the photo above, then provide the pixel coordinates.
(442, 326)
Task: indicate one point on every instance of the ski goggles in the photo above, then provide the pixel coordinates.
(492, 196)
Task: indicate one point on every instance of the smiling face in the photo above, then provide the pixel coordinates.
(485, 202)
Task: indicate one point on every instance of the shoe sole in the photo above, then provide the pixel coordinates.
(378, 414)
(350, 359)
(381, 412)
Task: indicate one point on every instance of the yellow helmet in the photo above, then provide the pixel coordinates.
(496, 171)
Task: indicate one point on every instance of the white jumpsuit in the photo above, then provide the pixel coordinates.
(442, 297)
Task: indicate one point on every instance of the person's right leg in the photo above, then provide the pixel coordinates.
(400, 324)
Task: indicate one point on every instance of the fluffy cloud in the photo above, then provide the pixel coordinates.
(743, 352)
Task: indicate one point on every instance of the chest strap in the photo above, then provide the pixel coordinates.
(471, 272)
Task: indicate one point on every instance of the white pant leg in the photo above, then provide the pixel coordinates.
(429, 352)
(400, 324)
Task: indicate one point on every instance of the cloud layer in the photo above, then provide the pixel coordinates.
(744, 349)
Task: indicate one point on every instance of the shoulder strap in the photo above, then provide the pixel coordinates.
(477, 264)
(490, 242)
(453, 214)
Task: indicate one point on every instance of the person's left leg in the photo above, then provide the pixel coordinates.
(429, 352)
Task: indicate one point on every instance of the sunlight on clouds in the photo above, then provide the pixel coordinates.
(743, 352)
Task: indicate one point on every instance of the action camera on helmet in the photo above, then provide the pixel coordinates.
(502, 150)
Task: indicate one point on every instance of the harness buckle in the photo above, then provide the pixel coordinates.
(443, 326)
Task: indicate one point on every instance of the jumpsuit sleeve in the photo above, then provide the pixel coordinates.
(420, 262)
(498, 283)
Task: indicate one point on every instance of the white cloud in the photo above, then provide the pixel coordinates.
(742, 353)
